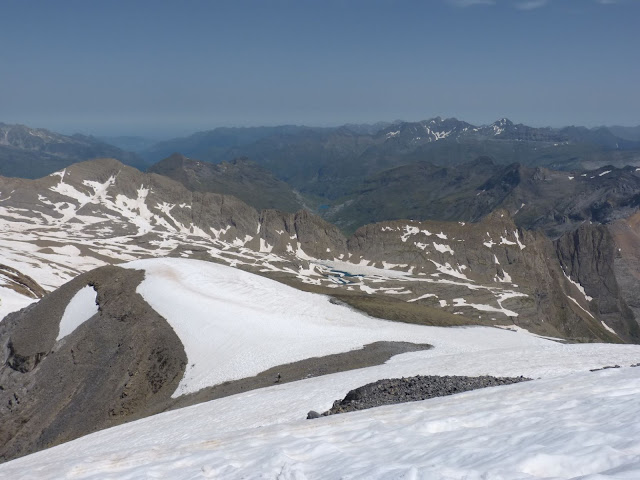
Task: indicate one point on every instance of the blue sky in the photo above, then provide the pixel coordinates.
(170, 68)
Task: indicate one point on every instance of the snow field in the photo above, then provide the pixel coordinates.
(579, 426)
(235, 324)
(568, 423)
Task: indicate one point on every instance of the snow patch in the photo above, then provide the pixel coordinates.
(81, 308)
(515, 233)
(506, 278)
(578, 286)
(265, 247)
(409, 230)
(447, 269)
(580, 306)
(426, 295)
(608, 328)
(504, 241)
(461, 302)
(442, 248)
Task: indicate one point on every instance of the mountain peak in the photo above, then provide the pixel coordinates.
(503, 122)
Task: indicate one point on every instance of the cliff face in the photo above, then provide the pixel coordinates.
(498, 267)
(605, 259)
(626, 234)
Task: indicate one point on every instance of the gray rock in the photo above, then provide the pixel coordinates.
(401, 390)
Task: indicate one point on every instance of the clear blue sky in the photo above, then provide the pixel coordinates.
(167, 68)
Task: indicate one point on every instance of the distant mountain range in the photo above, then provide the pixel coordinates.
(33, 152)
(438, 169)
(330, 162)
(628, 133)
(537, 197)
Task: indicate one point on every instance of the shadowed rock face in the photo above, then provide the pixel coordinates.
(605, 260)
(111, 369)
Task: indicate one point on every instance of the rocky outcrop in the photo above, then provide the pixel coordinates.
(150, 208)
(316, 237)
(401, 390)
(112, 368)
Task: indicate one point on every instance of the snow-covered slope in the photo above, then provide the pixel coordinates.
(566, 423)
(235, 324)
(583, 425)
(11, 301)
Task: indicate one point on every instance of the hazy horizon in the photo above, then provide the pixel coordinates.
(167, 133)
(162, 69)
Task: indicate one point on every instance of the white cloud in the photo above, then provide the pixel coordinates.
(469, 3)
(524, 5)
(531, 4)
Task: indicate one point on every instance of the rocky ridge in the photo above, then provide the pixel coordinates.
(103, 212)
(131, 355)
